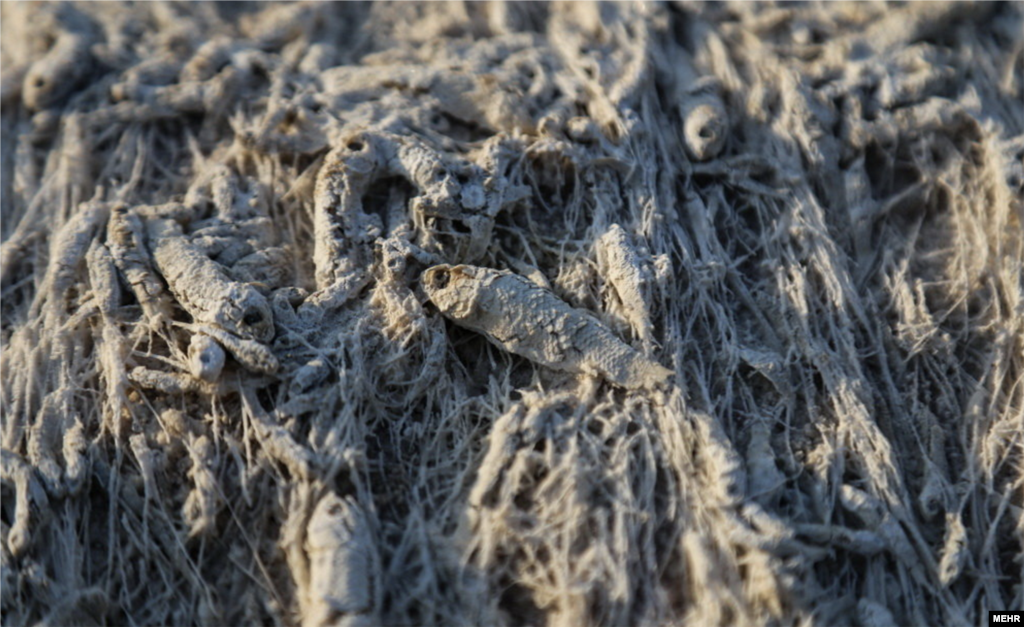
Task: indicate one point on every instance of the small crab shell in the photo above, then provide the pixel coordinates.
(528, 320)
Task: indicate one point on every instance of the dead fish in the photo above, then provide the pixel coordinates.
(528, 320)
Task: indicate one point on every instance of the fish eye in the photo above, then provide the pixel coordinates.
(438, 279)
(252, 317)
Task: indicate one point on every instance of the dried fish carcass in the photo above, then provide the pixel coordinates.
(525, 319)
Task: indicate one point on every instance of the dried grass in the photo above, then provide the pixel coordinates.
(811, 213)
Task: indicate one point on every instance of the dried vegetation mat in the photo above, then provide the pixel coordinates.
(481, 314)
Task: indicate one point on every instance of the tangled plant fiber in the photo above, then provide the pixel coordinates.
(512, 313)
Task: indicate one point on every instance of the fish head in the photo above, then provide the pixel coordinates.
(453, 289)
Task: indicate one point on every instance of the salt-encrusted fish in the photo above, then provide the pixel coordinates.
(204, 289)
(343, 565)
(629, 277)
(68, 62)
(528, 320)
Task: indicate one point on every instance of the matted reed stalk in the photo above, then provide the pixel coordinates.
(511, 313)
